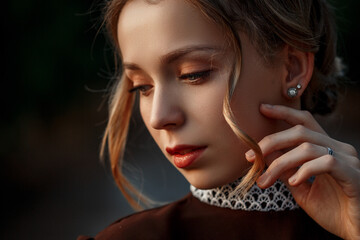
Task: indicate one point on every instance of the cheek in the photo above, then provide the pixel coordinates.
(207, 103)
(208, 107)
(246, 114)
(145, 112)
(250, 92)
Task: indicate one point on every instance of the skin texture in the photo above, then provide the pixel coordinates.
(180, 63)
(333, 199)
(179, 111)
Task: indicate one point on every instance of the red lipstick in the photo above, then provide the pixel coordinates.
(185, 155)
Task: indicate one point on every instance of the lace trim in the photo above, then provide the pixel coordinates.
(275, 198)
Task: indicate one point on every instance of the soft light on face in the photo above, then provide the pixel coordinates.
(180, 63)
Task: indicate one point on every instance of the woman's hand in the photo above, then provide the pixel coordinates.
(333, 198)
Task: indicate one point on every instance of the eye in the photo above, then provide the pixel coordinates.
(196, 76)
(143, 89)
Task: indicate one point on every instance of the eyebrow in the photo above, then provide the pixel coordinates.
(176, 54)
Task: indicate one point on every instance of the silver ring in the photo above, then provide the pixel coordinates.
(330, 151)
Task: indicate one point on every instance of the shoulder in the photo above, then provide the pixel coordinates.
(157, 221)
(189, 218)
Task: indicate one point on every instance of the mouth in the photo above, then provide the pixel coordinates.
(184, 155)
(183, 149)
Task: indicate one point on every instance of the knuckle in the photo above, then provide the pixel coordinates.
(268, 139)
(277, 163)
(305, 169)
(307, 115)
(351, 150)
(307, 147)
(330, 161)
(300, 129)
(355, 161)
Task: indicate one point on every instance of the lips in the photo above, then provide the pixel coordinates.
(185, 155)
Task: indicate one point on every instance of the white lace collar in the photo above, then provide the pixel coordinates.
(276, 198)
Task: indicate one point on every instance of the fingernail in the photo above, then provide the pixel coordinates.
(262, 180)
(250, 154)
(292, 179)
(268, 105)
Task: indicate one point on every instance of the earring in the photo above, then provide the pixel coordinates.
(292, 92)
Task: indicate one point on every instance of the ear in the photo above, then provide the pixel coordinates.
(299, 66)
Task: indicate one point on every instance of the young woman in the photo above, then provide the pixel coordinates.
(215, 79)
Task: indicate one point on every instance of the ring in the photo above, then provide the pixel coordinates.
(330, 151)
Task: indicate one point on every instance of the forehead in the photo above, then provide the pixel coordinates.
(157, 29)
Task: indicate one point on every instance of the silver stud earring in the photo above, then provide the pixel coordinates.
(293, 91)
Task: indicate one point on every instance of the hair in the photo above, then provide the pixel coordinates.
(306, 25)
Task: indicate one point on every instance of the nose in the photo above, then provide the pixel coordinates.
(167, 109)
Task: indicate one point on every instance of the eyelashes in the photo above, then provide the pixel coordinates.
(190, 78)
(142, 88)
(195, 76)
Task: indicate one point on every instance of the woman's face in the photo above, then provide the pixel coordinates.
(180, 63)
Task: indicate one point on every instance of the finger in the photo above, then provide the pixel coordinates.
(250, 156)
(349, 149)
(304, 118)
(269, 158)
(292, 137)
(344, 175)
(291, 116)
(274, 142)
(299, 134)
(290, 160)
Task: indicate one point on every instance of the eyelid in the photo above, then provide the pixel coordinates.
(140, 83)
(199, 75)
(134, 89)
(143, 89)
(131, 90)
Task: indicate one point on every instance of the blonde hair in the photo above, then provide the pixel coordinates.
(306, 25)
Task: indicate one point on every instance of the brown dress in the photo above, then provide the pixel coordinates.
(189, 218)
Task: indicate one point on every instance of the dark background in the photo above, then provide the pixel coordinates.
(57, 66)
